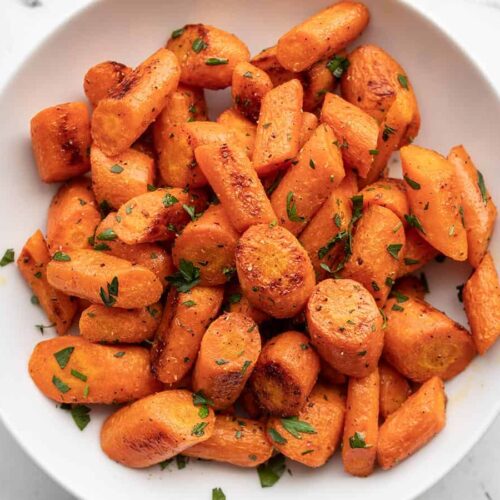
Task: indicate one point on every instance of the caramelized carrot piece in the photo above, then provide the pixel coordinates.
(278, 129)
(359, 449)
(415, 423)
(32, 262)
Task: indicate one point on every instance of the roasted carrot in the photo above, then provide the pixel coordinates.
(285, 374)
(306, 186)
(210, 243)
(185, 104)
(117, 179)
(349, 186)
(479, 211)
(72, 217)
(235, 440)
(207, 55)
(249, 85)
(312, 437)
(422, 342)
(359, 449)
(243, 130)
(236, 184)
(416, 252)
(415, 423)
(99, 323)
(307, 127)
(237, 302)
(393, 131)
(373, 81)
(32, 262)
(177, 163)
(434, 200)
(155, 429)
(356, 132)
(278, 128)
(60, 139)
(267, 61)
(322, 35)
(228, 353)
(274, 271)
(103, 279)
(178, 338)
(376, 247)
(150, 255)
(394, 389)
(411, 286)
(102, 78)
(345, 326)
(73, 370)
(318, 80)
(481, 296)
(157, 215)
(388, 193)
(121, 118)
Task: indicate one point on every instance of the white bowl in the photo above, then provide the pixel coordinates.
(457, 104)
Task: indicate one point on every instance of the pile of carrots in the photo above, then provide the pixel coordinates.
(244, 286)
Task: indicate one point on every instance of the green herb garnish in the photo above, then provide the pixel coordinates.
(187, 277)
(62, 356)
(61, 257)
(8, 257)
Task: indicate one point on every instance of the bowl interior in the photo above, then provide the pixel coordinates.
(457, 104)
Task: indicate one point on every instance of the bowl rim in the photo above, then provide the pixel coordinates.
(469, 441)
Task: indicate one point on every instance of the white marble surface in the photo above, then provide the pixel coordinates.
(474, 24)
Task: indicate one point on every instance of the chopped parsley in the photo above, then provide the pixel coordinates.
(414, 222)
(413, 184)
(110, 299)
(276, 436)
(387, 132)
(187, 277)
(116, 169)
(394, 249)
(8, 257)
(61, 386)
(61, 257)
(198, 429)
(291, 209)
(198, 45)
(218, 494)
(337, 65)
(79, 375)
(189, 303)
(177, 33)
(79, 413)
(216, 61)
(403, 81)
(357, 440)
(271, 471)
(191, 211)
(295, 427)
(245, 366)
(400, 297)
(482, 187)
(169, 200)
(107, 235)
(62, 356)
